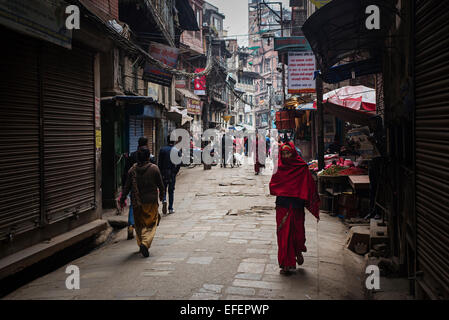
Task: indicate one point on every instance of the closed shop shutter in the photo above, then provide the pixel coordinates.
(432, 144)
(20, 202)
(149, 133)
(69, 132)
(135, 131)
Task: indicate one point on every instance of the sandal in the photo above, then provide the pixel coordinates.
(300, 259)
(287, 271)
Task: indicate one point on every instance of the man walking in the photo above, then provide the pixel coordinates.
(144, 181)
(169, 171)
(129, 162)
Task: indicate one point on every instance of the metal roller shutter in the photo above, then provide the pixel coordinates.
(135, 132)
(69, 132)
(20, 202)
(432, 143)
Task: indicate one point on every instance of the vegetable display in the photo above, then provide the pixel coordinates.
(333, 170)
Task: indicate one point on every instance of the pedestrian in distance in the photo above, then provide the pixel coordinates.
(144, 181)
(223, 151)
(169, 170)
(129, 162)
(268, 145)
(260, 161)
(294, 188)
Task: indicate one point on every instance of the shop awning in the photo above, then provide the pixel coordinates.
(357, 98)
(338, 30)
(188, 94)
(178, 115)
(355, 104)
(306, 106)
(251, 74)
(137, 105)
(352, 70)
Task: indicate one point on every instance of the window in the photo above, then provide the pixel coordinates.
(198, 17)
(267, 65)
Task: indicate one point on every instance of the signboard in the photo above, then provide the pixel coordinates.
(98, 139)
(40, 19)
(97, 112)
(301, 69)
(180, 82)
(200, 84)
(153, 91)
(320, 3)
(193, 106)
(168, 56)
(291, 44)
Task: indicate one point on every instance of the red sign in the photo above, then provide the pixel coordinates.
(200, 84)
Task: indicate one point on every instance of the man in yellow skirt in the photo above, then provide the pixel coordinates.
(145, 184)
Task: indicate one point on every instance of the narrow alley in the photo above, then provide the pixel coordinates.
(219, 244)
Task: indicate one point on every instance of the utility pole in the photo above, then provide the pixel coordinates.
(320, 124)
(206, 106)
(270, 118)
(283, 58)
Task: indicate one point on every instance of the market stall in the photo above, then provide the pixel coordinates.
(344, 183)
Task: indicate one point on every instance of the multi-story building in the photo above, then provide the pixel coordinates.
(219, 82)
(263, 27)
(193, 49)
(243, 109)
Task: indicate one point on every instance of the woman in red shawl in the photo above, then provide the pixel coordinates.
(294, 188)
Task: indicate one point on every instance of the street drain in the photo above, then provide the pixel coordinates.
(264, 208)
(248, 212)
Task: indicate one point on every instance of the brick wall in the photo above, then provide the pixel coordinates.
(109, 7)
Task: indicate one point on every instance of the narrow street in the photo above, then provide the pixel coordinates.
(219, 244)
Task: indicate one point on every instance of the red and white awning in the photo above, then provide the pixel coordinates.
(357, 98)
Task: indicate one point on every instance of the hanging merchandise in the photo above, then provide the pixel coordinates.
(285, 119)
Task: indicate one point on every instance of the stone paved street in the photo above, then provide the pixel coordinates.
(220, 244)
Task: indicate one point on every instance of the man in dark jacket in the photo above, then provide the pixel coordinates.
(168, 171)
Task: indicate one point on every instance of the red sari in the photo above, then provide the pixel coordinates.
(293, 179)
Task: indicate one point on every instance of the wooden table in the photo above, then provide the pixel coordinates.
(359, 182)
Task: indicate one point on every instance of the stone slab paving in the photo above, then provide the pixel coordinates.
(219, 244)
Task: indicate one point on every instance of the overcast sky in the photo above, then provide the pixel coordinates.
(236, 12)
